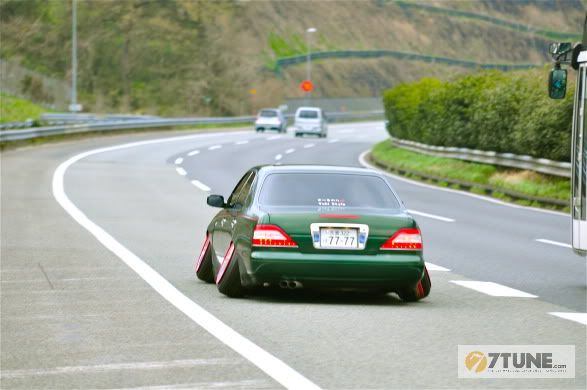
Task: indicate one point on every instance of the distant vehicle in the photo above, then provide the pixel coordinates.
(310, 120)
(294, 226)
(271, 119)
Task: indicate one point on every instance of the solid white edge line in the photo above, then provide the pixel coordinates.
(278, 157)
(268, 363)
(556, 243)
(581, 318)
(493, 289)
(193, 153)
(201, 185)
(438, 268)
(432, 216)
(288, 151)
(214, 147)
(363, 162)
(181, 171)
(178, 161)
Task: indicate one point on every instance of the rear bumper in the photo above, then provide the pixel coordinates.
(386, 270)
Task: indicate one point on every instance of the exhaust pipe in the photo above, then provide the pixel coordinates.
(293, 284)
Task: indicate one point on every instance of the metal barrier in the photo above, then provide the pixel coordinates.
(556, 168)
(288, 61)
(143, 123)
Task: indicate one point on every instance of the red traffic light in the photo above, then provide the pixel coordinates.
(307, 86)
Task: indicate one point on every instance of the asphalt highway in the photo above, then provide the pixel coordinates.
(98, 288)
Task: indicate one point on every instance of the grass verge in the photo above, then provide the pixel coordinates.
(13, 109)
(506, 184)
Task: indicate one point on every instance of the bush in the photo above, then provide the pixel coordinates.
(490, 110)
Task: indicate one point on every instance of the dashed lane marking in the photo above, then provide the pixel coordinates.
(214, 147)
(331, 141)
(432, 216)
(278, 157)
(181, 171)
(241, 142)
(288, 151)
(201, 185)
(555, 243)
(581, 318)
(433, 267)
(178, 161)
(193, 153)
(307, 146)
(493, 289)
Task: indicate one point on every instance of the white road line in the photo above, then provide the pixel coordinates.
(433, 267)
(214, 147)
(278, 157)
(117, 366)
(274, 137)
(346, 131)
(178, 161)
(241, 142)
(181, 171)
(493, 289)
(556, 243)
(432, 216)
(288, 151)
(193, 153)
(363, 162)
(271, 365)
(201, 185)
(577, 317)
(307, 146)
(331, 141)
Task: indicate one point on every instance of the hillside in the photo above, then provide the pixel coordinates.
(204, 58)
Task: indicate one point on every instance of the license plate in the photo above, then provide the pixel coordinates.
(338, 238)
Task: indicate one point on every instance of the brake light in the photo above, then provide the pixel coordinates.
(272, 236)
(404, 239)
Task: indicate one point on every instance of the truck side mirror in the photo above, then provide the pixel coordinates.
(557, 83)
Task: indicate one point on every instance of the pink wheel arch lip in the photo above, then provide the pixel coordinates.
(225, 263)
(203, 253)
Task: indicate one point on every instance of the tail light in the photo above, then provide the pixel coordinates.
(404, 239)
(272, 236)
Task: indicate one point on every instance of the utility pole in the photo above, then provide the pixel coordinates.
(74, 106)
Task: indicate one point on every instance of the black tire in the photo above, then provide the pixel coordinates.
(204, 271)
(298, 135)
(230, 283)
(419, 291)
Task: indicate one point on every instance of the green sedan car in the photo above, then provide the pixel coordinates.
(303, 226)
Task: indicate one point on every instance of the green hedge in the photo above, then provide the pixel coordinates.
(491, 110)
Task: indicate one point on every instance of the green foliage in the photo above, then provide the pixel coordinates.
(491, 110)
(13, 109)
(529, 183)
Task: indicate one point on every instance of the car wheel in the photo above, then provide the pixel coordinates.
(204, 262)
(228, 279)
(297, 134)
(419, 291)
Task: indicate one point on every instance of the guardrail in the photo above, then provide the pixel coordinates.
(401, 55)
(16, 125)
(556, 168)
(144, 123)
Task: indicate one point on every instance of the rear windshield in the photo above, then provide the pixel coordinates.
(327, 190)
(308, 114)
(268, 113)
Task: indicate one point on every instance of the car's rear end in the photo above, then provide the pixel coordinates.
(308, 120)
(269, 119)
(333, 229)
